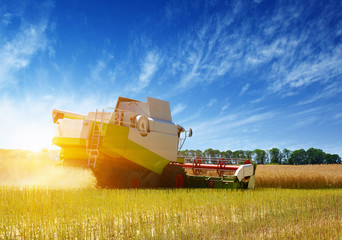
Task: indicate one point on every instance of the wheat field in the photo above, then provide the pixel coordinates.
(40, 200)
(88, 213)
(299, 176)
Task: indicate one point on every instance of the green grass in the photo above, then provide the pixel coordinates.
(45, 213)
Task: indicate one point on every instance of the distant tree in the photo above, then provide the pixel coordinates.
(286, 156)
(248, 154)
(209, 152)
(198, 153)
(216, 153)
(239, 154)
(315, 156)
(184, 152)
(268, 156)
(275, 155)
(333, 159)
(192, 152)
(227, 154)
(298, 157)
(260, 156)
(236, 154)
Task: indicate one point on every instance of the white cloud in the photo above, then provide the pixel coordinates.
(307, 56)
(101, 71)
(289, 54)
(189, 119)
(148, 68)
(25, 41)
(258, 99)
(219, 125)
(206, 53)
(95, 72)
(225, 107)
(229, 132)
(305, 122)
(308, 111)
(18, 52)
(321, 69)
(178, 109)
(212, 102)
(329, 91)
(251, 119)
(244, 89)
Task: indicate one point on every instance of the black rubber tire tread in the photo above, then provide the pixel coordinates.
(168, 177)
(109, 178)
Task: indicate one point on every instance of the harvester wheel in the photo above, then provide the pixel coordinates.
(134, 180)
(179, 181)
(173, 176)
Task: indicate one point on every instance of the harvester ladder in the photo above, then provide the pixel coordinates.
(93, 148)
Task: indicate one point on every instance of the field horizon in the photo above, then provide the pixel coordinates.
(25, 167)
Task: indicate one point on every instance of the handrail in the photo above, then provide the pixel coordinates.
(214, 160)
(120, 115)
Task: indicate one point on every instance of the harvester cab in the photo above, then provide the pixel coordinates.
(136, 144)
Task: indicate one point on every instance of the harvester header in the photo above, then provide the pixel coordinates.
(136, 144)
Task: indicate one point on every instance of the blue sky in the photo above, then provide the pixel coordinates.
(242, 74)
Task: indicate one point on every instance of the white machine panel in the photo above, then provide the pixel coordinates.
(159, 109)
(72, 128)
(162, 144)
(136, 107)
(244, 171)
(162, 126)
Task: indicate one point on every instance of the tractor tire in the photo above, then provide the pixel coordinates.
(109, 177)
(134, 180)
(173, 176)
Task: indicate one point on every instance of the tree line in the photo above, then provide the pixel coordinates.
(271, 156)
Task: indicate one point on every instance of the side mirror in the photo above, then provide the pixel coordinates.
(190, 133)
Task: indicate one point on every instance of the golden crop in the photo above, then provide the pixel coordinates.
(43, 213)
(299, 176)
(43, 201)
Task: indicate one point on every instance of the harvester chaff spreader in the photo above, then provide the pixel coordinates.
(136, 145)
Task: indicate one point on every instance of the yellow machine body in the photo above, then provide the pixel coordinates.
(141, 132)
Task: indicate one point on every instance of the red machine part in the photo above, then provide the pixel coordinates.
(222, 165)
(179, 181)
(196, 166)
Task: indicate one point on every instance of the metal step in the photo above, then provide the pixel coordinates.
(93, 148)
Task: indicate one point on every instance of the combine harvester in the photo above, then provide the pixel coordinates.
(136, 145)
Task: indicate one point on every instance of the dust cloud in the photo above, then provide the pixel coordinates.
(26, 168)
